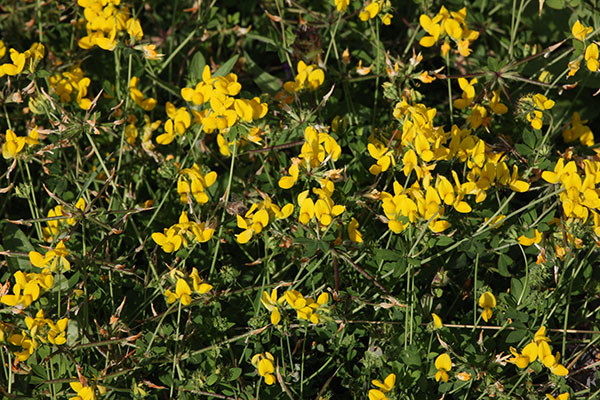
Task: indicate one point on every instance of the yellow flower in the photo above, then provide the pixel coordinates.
(384, 387)
(56, 258)
(85, 392)
(13, 145)
(197, 283)
(265, 365)
(134, 29)
(579, 31)
(443, 365)
(17, 65)
(25, 291)
(169, 241)
(437, 321)
(182, 292)
(591, 56)
(57, 333)
(526, 357)
(341, 5)
(562, 396)
(386, 19)
(287, 182)
(270, 303)
(353, 231)
(487, 301)
(432, 28)
(138, 97)
(539, 103)
(29, 344)
(370, 11)
(526, 241)
(387, 384)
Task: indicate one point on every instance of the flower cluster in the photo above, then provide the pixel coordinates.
(54, 259)
(318, 147)
(18, 60)
(424, 145)
(172, 238)
(375, 8)
(192, 181)
(72, 85)
(448, 25)
(56, 216)
(306, 307)
(104, 19)
(580, 197)
(578, 130)
(15, 144)
(539, 349)
(40, 329)
(324, 209)
(27, 288)
(308, 77)
(479, 114)
(535, 105)
(258, 217)
(183, 292)
(223, 110)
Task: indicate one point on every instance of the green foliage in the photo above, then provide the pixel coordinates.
(299, 199)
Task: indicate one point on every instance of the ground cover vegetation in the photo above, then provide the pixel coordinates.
(299, 199)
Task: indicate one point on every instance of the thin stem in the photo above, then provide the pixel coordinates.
(225, 202)
(175, 351)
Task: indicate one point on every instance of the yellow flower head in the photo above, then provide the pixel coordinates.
(487, 301)
(443, 365)
(579, 31)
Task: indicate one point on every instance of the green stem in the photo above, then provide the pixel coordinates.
(226, 201)
(33, 208)
(331, 43)
(175, 351)
(475, 292)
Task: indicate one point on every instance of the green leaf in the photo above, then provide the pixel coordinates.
(13, 239)
(212, 379)
(310, 246)
(503, 262)
(387, 255)
(444, 241)
(411, 356)
(516, 288)
(556, 4)
(529, 138)
(227, 66)
(492, 64)
(522, 149)
(234, 373)
(265, 81)
(196, 67)
(515, 336)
